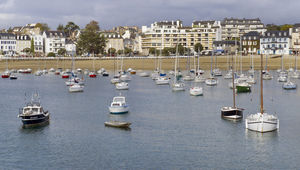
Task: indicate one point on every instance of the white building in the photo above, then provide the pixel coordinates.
(114, 40)
(235, 28)
(38, 42)
(54, 40)
(170, 33)
(23, 41)
(295, 41)
(70, 47)
(275, 42)
(8, 43)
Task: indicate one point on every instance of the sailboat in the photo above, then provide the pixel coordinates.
(177, 86)
(262, 122)
(233, 112)
(93, 74)
(267, 75)
(199, 77)
(289, 85)
(296, 73)
(216, 71)
(229, 73)
(211, 81)
(6, 73)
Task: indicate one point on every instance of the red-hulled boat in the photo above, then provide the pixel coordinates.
(65, 76)
(92, 75)
(5, 76)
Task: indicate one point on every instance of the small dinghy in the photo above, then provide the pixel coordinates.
(117, 124)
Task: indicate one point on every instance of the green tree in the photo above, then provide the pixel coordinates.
(60, 27)
(51, 54)
(43, 27)
(111, 51)
(32, 46)
(120, 52)
(285, 27)
(152, 50)
(26, 50)
(70, 28)
(62, 52)
(10, 30)
(127, 51)
(90, 40)
(181, 49)
(198, 47)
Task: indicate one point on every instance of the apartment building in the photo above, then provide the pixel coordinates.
(54, 41)
(234, 27)
(275, 42)
(170, 33)
(114, 40)
(23, 41)
(295, 39)
(8, 43)
(38, 42)
(251, 42)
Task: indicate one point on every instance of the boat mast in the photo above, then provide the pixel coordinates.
(198, 60)
(261, 85)
(233, 87)
(296, 61)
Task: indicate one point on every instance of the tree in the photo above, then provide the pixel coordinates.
(152, 50)
(62, 52)
(60, 27)
(127, 51)
(70, 28)
(32, 46)
(285, 27)
(90, 40)
(181, 49)
(10, 30)
(51, 54)
(26, 50)
(120, 52)
(43, 27)
(111, 51)
(198, 47)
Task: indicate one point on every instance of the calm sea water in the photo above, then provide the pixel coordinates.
(169, 130)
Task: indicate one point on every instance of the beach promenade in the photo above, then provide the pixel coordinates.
(143, 63)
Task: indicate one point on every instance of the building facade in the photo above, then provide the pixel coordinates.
(23, 41)
(8, 44)
(54, 41)
(295, 39)
(170, 33)
(251, 42)
(226, 46)
(234, 28)
(38, 42)
(275, 42)
(114, 40)
(70, 47)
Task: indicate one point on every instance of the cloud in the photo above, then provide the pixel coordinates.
(110, 13)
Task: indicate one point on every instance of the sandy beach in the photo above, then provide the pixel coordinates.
(144, 63)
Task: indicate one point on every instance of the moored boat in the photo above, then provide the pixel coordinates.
(118, 105)
(117, 124)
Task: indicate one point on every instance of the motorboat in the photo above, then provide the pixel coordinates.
(92, 75)
(178, 86)
(73, 81)
(289, 85)
(65, 75)
(144, 74)
(33, 114)
(211, 81)
(13, 77)
(122, 86)
(6, 74)
(282, 78)
(162, 80)
(38, 73)
(118, 105)
(132, 72)
(199, 79)
(117, 124)
(217, 72)
(196, 91)
(125, 77)
(188, 78)
(115, 79)
(76, 88)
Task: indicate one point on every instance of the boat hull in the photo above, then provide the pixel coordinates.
(243, 89)
(36, 122)
(119, 110)
(231, 113)
(262, 123)
(117, 124)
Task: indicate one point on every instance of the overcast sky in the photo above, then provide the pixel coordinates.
(110, 13)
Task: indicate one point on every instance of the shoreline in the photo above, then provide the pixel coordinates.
(144, 63)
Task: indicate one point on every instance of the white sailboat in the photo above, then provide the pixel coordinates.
(211, 81)
(177, 85)
(199, 73)
(262, 121)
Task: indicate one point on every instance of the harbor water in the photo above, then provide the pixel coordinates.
(170, 130)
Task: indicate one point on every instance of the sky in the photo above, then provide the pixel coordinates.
(111, 13)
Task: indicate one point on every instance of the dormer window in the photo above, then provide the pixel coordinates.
(280, 34)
